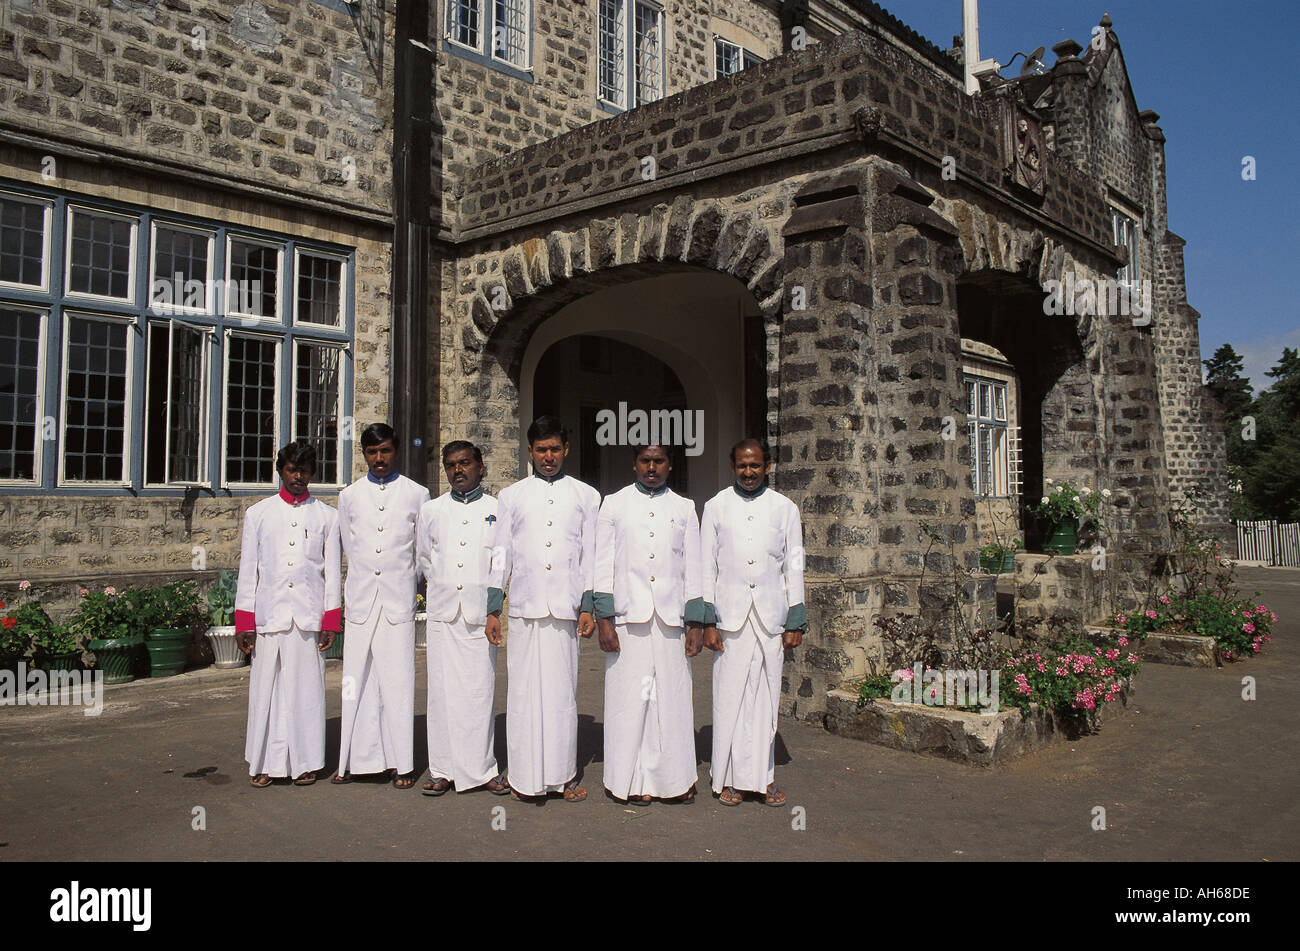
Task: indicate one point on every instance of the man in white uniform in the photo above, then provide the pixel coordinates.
(286, 615)
(751, 543)
(454, 542)
(377, 516)
(649, 614)
(545, 553)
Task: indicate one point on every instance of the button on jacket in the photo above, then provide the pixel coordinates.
(377, 530)
(288, 566)
(648, 555)
(546, 546)
(752, 550)
(454, 549)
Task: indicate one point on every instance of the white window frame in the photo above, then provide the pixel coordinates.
(1000, 463)
(526, 8)
(205, 399)
(128, 398)
(487, 30)
(43, 315)
(341, 326)
(627, 44)
(278, 339)
(342, 348)
(742, 50)
(1121, 215)
(256, 319)
(132, 267)
(46, 245)
(450, 23)
(209, 291)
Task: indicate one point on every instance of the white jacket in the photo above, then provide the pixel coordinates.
(377, 529)
(752, 550)
(648, 555)
(546, 546)
(288, 566)
(454, 550)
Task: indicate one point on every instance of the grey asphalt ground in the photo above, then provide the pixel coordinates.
(1191, 772)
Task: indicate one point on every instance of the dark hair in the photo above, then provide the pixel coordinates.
(459, 445)
(376, 433)
(752, 442)
(300, 452)
(544, 427)
(636, 450)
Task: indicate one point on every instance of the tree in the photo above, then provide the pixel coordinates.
(1225, 379)
(1271, 482)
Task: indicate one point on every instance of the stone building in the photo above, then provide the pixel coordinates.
(786, 218)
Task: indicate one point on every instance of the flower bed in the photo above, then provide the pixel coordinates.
(1239, 627)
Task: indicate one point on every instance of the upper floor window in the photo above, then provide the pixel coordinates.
(1128, 233)
(631, 53)
(729, 57)
(497, 30)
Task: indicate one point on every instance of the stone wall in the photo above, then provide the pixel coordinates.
(282, 92)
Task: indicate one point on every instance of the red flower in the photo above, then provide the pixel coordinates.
(9, 623)
(2, 605)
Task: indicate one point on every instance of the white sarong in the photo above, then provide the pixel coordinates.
(462, 683)
(541, 704)
(286, 705)
(649, 721)
(746, 698)
(377, 731)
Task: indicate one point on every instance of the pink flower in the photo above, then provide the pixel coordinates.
(1246, 613)
(1123, 642)
(82, 592)
(24, 585)
(903, 675)
(110, 590)
(1261, 609)
(1112, 653)
(1120, 619)
(1274, 616)
(1164, 599)
(1152, 615)
(1248, 628)
(1132, 658)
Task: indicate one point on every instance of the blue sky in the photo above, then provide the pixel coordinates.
(1222, 78)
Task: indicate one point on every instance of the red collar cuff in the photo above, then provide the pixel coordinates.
(291, 498)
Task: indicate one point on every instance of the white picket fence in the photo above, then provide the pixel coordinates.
(1270, 542)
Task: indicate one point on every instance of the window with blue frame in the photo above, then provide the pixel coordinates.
(495, 32)
(146, 351)
(630, 53)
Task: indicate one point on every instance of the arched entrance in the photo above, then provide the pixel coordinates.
(671, 347)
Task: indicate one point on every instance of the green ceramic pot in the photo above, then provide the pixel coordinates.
(67, 661)
(1060, 539)
(115, 656)
(1005, 565)
(168, 649)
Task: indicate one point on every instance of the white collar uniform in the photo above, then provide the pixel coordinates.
(288, 565)
(546, 549)
(377, 529)
(752, 554)
(454, 542)
(648, 555)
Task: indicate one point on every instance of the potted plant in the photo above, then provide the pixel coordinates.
(168, 613)
(56, 647)
(16, 628)
(221, 614)
(106, 620)
(1059, 512)
(999, 558)
(421, 621)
